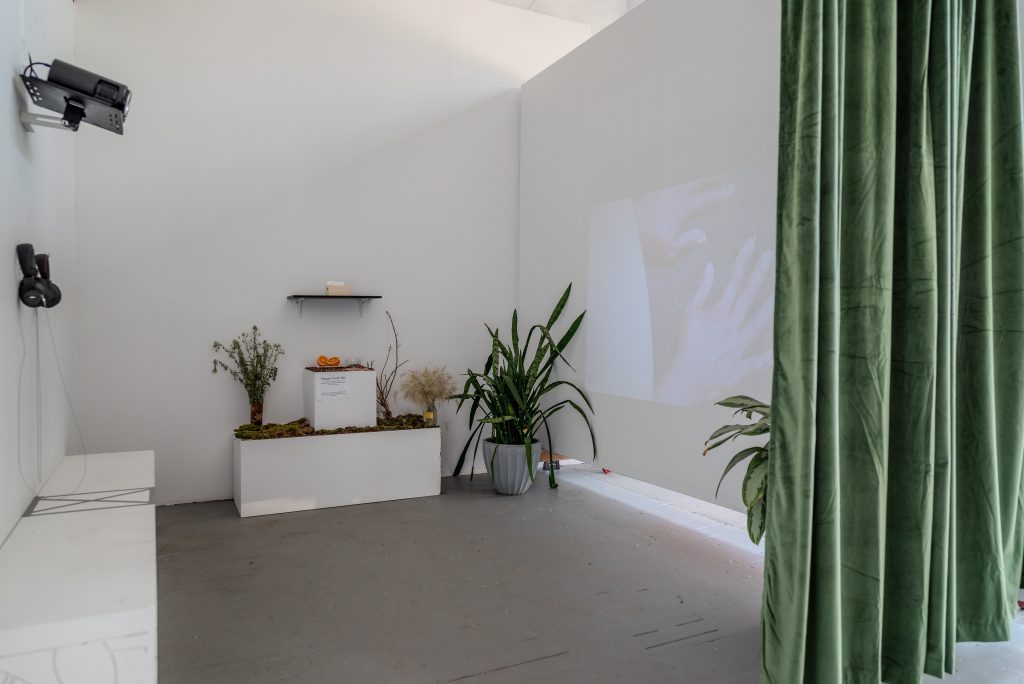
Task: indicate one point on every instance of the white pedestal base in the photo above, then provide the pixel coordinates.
(321, 471)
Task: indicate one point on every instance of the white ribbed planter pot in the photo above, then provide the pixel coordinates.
(507, 465)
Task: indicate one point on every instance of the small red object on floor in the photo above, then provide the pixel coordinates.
(1020, 604)
(608, 472)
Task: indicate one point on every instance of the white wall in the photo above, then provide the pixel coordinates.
(37, 193)
(673, 93)
(271, 147)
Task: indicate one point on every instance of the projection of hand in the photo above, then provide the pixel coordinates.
(668, 219)
(712, 354)
(659, 326)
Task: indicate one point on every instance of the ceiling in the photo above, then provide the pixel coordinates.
(595, 13)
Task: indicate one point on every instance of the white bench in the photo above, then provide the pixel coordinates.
(78, 577)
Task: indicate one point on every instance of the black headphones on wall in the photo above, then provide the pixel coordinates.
(36, 288)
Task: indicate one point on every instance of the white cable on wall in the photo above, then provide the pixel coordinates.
(67, 396)
(21, 373)
(34, 490)
(39, 409)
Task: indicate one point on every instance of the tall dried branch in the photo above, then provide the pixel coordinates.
(386, 378)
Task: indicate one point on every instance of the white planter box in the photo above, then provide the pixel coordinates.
(337, 399)
(321, 471)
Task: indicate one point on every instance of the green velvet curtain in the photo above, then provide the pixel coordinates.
(896, 499)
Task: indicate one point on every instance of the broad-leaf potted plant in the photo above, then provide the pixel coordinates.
(253, 365)
(511, 399)
(754, 490)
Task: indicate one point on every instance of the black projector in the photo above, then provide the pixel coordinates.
(80, 95)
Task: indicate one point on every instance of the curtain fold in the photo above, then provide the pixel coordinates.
(896, 493)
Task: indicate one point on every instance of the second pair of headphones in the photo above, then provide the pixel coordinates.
(36, 288)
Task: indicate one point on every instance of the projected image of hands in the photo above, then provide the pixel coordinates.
(668, 220)
(680, 292)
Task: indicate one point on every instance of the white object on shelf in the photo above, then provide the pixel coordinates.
(338, 288)
(304, 473)
(78, 591)
(337, 399)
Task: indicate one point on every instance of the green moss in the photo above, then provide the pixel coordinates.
(302, 428)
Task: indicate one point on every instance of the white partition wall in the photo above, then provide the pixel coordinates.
(273, 146)
(37, 205)
(648, 180)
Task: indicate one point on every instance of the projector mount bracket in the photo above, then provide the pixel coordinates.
(30, 120)
(76, 107)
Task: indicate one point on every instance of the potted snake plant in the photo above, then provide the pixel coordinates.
(511, 401)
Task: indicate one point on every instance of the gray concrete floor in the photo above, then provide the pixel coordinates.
(605, 579)
(554, 586)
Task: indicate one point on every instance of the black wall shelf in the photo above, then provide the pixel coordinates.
(362, 299)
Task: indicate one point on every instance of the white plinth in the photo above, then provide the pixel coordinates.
(337, 399)
(303, 473)
(78, 589)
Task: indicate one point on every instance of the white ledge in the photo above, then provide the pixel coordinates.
(78, 576)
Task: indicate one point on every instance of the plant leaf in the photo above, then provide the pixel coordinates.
(515, 332)
(744, 402)
(560, 383)
(570, 333)
(558, 307)
(725, 429)
(528, 449)
(465, 449)
(736, 460)
(756, 519)
(759, 428)
(756, 480)
(499, 419)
